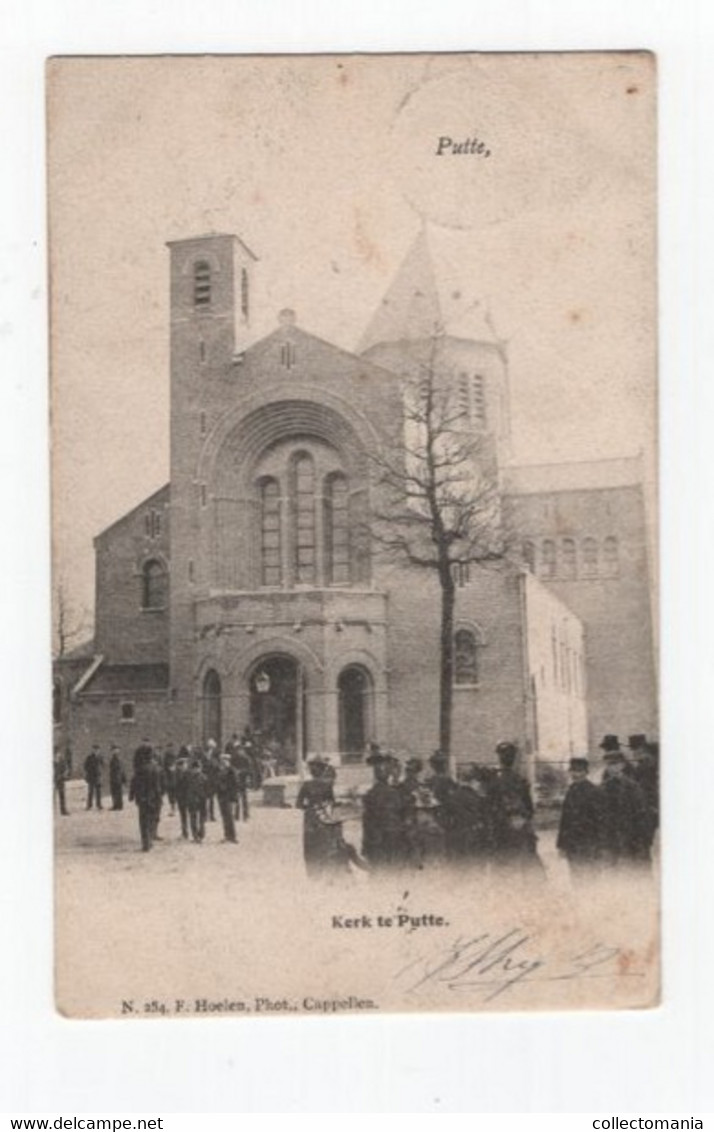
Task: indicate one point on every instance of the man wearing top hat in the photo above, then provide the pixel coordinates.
(645, 772)
(580, 835)
(626, 822)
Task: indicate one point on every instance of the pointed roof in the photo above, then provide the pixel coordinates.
(411, 307)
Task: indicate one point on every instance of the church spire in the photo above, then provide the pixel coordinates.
(410, 308)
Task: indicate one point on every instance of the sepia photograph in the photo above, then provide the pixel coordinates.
(354, 533)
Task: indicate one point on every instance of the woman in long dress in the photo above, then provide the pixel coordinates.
(325, 849)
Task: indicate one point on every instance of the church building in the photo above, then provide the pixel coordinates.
(245, 591)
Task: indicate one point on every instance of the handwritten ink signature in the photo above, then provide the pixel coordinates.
(495, 963)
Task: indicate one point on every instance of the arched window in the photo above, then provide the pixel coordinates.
(303, 512)
(57, 702)
(610, 557)
(154, 585)
(355, 698)
(529, 555)
(337, 530)
(589, 558)
(271, 567)
(212, 708)
(465, 657)
(554, 653)
(548, 558)
(568, 561)
(201, 284)
(244, 293)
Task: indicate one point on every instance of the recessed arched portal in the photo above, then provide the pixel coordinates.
(278, 708)
(356, 710)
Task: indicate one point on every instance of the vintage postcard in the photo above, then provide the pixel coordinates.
(354, 533)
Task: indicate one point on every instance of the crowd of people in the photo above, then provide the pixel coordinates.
(195, 782)
(413, 816)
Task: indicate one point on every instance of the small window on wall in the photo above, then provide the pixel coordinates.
(465, 657)
(201, 285)
(127, 712)
(154, 585)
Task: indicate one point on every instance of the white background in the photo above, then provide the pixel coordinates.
(643, 1062)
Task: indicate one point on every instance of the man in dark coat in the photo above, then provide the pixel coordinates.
(196, 794)
(226, 792)
(382, 817)
(117, 779)
(516, 841)
(93, 767)
(143, 754)
(181, 788)
(145, 790)
(580, 835)
(626, 824)
(645, 772)
(60, 774)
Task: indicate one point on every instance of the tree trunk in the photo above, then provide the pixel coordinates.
(448, 598)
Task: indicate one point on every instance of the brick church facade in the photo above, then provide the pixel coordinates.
(245, 591)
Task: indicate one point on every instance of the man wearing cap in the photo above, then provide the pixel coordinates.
(580, 835)
(117, 779)
(382, 816)
(93, 767)
(60, 776)
(626, 823)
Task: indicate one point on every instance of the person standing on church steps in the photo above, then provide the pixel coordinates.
(581, 830)
(117, 779)
(226, 792)
(145, 790)
(93, 767)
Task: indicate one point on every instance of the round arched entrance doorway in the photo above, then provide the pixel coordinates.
(278, 709)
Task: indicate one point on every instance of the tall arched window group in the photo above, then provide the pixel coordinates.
(569, 558)
(304, 525)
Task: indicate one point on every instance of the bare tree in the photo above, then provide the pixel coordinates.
(71, 625)
(438, 506)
